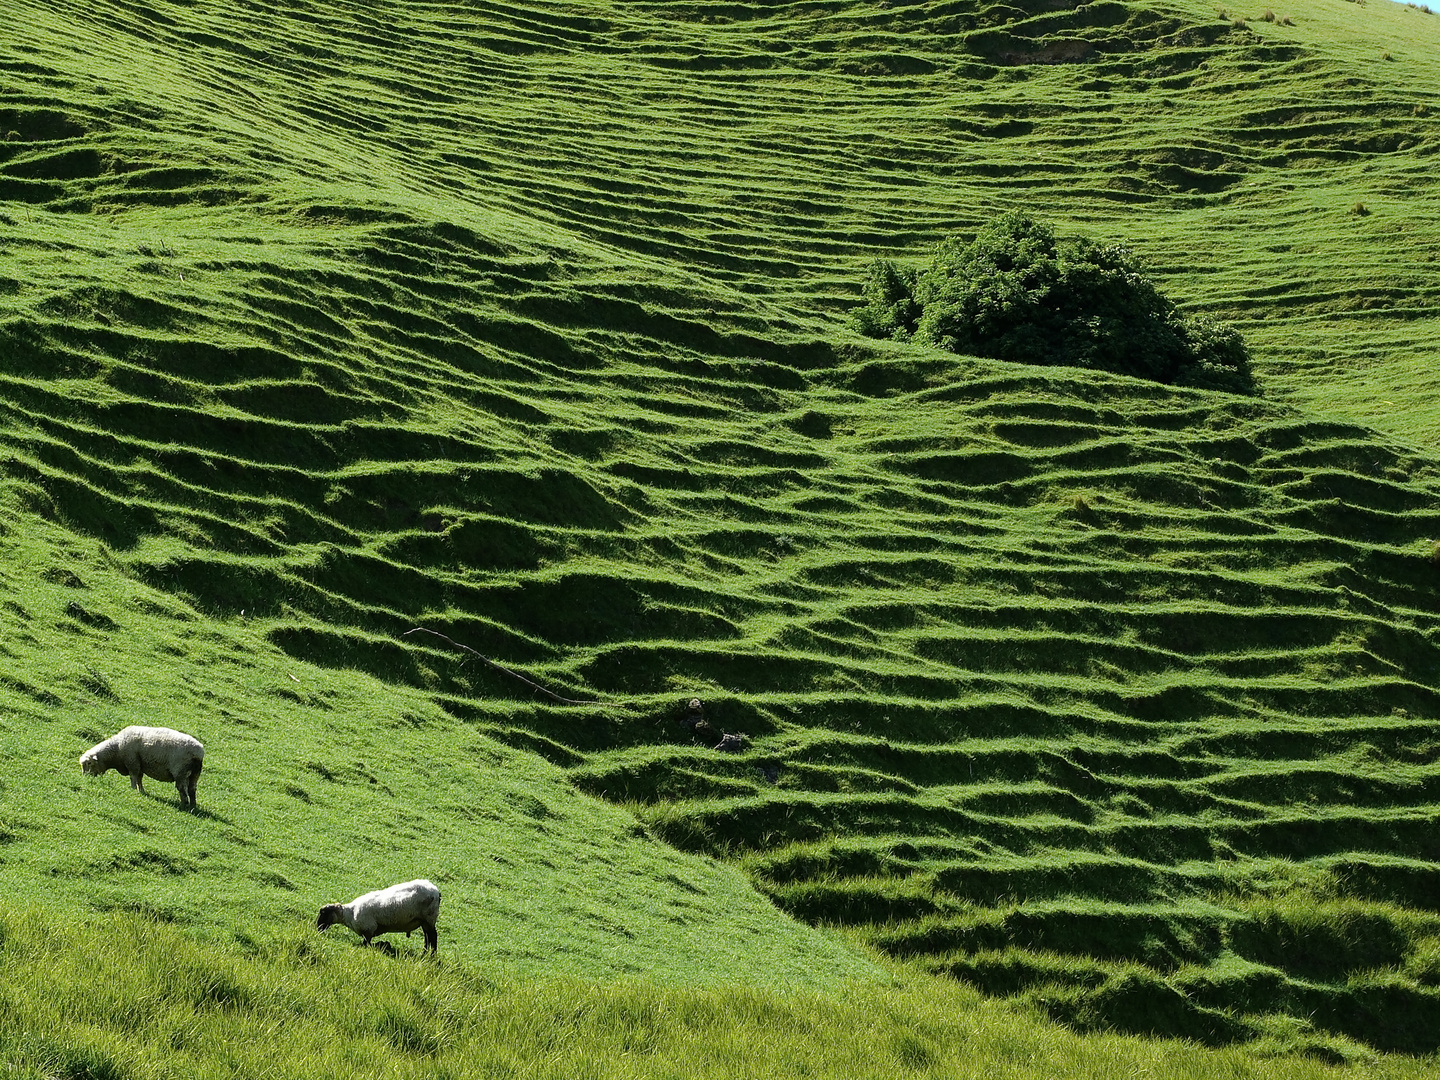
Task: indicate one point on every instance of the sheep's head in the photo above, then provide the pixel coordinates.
(89, 765)
(329, 916)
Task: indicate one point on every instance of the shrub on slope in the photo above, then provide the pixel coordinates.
(1016, 292)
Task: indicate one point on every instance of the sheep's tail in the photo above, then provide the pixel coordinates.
(513, 674)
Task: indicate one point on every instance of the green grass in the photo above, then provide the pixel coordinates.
(155, 1003)
(526, 326)
(319, 783)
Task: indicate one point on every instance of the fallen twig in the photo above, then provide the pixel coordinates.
(501, 667)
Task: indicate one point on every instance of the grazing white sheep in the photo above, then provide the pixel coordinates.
(413, 905)
(160, 753)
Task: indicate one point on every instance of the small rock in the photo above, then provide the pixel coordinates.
(694, 718)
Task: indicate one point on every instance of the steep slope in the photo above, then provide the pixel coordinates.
(754, 156)
(522, 324)
(318, 786)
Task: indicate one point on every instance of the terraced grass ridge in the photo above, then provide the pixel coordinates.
(422, 403)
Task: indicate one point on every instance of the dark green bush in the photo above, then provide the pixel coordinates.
(890, 310)
(1016, 292)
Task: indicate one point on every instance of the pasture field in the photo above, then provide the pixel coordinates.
(1079, 715)
(161, 1004)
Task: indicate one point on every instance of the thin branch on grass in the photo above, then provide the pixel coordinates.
(500, 667)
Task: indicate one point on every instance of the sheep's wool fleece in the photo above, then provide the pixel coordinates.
(154, 744)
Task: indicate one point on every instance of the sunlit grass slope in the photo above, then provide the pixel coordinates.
(320, 784)
(157, 1004)
(1275, 172)
(524, 324)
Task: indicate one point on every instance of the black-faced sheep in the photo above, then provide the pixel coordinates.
(157, 752)
(413, 905)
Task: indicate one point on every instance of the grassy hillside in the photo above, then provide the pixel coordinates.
(524, 324)
(289, 1009)
(318, 785)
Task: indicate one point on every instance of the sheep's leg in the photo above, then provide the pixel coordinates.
(185, 785)
(432, 939)
(137, 782)
(194, 782)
